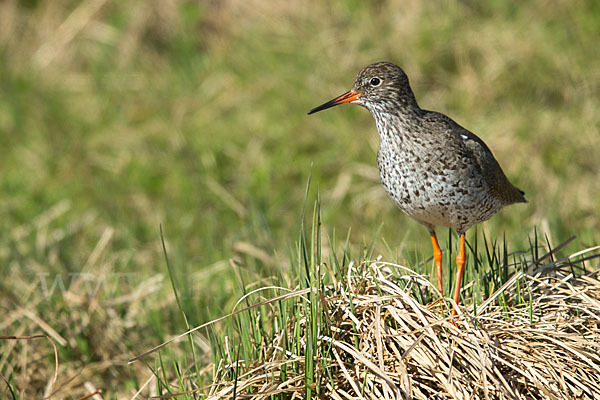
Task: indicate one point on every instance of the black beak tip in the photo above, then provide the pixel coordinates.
(319, 108)
(322, 107)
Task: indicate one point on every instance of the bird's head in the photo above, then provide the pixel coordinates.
(382, 86)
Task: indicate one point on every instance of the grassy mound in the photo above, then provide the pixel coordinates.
(377, 330)
(379, 342)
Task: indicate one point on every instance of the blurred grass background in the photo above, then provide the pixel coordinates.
(116, 117)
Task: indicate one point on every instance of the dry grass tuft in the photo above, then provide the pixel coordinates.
(381, 343)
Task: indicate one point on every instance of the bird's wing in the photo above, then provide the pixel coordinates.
(489, 167)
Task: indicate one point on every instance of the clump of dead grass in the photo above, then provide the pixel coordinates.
(379, 342)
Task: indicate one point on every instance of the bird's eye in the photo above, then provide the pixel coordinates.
(375, 81)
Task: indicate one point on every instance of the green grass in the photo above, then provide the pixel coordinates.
(191, 115)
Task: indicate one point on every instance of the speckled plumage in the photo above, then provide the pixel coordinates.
(436, 171)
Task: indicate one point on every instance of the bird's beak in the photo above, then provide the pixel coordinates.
(347, 97)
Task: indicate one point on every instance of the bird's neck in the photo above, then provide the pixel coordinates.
(395, 121)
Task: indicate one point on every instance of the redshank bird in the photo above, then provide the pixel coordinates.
(436, 171)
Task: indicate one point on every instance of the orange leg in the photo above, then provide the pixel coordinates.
(460, 264)
(437, 256)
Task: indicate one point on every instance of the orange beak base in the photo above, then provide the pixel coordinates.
(344, 98)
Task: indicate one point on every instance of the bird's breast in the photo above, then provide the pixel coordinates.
(431, 188)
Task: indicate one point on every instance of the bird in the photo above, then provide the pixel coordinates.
(435, 171)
